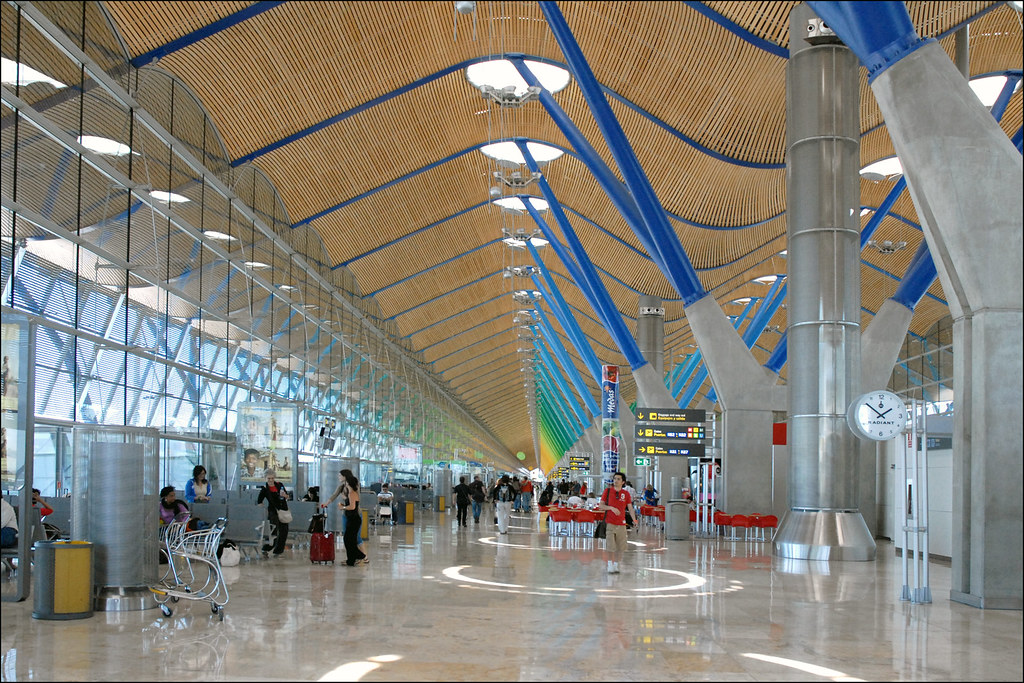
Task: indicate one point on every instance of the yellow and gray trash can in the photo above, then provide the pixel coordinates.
(63, 580)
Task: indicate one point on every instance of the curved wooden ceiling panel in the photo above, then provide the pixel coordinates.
(361, 115)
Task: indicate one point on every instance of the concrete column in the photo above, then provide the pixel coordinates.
(823, 189)
(972, 220)
(650, 331)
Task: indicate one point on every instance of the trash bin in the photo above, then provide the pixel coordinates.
(677, 520)
(63, 580)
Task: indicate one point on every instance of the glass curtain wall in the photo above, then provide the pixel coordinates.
(169, 286)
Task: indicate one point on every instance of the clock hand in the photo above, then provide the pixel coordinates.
(886, 413)
(873, 410)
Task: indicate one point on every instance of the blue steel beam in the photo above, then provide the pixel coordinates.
(227, 22)
(563, 357)
(562, 312)
(556, 379)
(598, 298)
(661, 235)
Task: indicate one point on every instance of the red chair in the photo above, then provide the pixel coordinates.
(767, 522)
(659, 515)
(559, 521)
(741, 522)
(585, 520)
(721, 519)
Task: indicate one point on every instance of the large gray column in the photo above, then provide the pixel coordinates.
(650, 337)
(748, 393)
(972, 220)
(823, 188)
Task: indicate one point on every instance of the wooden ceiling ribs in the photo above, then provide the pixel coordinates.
(385, 185)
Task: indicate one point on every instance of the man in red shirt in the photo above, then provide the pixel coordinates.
(526, 489)
(615, 501)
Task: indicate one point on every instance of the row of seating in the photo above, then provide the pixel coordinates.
(755, 526)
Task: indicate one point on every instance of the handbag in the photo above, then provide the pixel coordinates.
(284, 516)
(601, 528)
(230, 557)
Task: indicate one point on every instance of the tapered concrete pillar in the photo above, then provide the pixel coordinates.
(972, 221)
(823, 188)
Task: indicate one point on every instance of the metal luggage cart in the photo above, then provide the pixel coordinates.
(193, 571)
(385, 510)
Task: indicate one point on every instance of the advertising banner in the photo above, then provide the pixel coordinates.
(268, 440)
(611, 439)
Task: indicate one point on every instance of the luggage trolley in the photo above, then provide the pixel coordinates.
(386, 508)
(193, 570)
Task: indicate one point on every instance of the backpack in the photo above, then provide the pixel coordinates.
(478, 493)
(506, 494)
(461, 495)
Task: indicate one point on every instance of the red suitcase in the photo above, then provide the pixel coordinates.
(321, 548)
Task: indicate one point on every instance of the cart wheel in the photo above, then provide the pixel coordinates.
(220, 613)
(166, 610)
(175, 598)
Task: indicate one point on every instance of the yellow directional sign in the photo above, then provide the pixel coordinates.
(673, 416)
(681, 432)
(693, 450)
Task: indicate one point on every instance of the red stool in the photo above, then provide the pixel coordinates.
(722, 519)
(741, 522)
(767, 522)
(561, 517)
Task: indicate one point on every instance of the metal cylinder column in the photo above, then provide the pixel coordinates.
(823, 187)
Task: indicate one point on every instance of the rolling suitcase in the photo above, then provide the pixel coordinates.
(321, 548)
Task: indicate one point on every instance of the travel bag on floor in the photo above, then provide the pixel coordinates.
(321, 548)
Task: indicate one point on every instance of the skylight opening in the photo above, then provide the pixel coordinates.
(501, 73)
(168, 197)
(508, 151)
(256, 265)
(106, 146)
(766, 279)
(741, 300)
(13, 73)
(216, 235)
(516, 204)
(882, 169)
(988, 88)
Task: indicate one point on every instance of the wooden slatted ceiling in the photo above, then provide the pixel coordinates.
(301, 63)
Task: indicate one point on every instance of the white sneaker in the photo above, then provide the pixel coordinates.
(611, 567)
(616, 567)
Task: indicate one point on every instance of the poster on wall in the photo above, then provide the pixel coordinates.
(408, 463)
(11, 338)
(611, 432)
(267, 436)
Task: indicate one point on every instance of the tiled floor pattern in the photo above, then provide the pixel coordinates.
(438, 603)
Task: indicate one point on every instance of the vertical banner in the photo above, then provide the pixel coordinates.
(611, 433)
(268, 438)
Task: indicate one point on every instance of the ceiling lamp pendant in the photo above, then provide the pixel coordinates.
(506, 97)
(887, 246)
(517, 180)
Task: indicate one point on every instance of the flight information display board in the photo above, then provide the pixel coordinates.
(670, 432)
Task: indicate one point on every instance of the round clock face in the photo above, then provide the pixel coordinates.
(877, 415)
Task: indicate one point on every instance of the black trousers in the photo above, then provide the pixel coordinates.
(282, 535)
(462, 509)
(353, 520)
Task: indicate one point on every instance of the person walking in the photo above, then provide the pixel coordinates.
(463, 496)
(526, 491)
(353, 521)
(479, 495)
(276, 496)
(615, 502)
(517, 503)
(503, 497)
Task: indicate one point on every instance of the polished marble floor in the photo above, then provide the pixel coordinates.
(438, 603)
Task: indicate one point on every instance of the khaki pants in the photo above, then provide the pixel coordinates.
(615, 538)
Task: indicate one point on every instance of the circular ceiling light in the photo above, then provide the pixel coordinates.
(501, 73)
(168, 197)
(508, 152)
